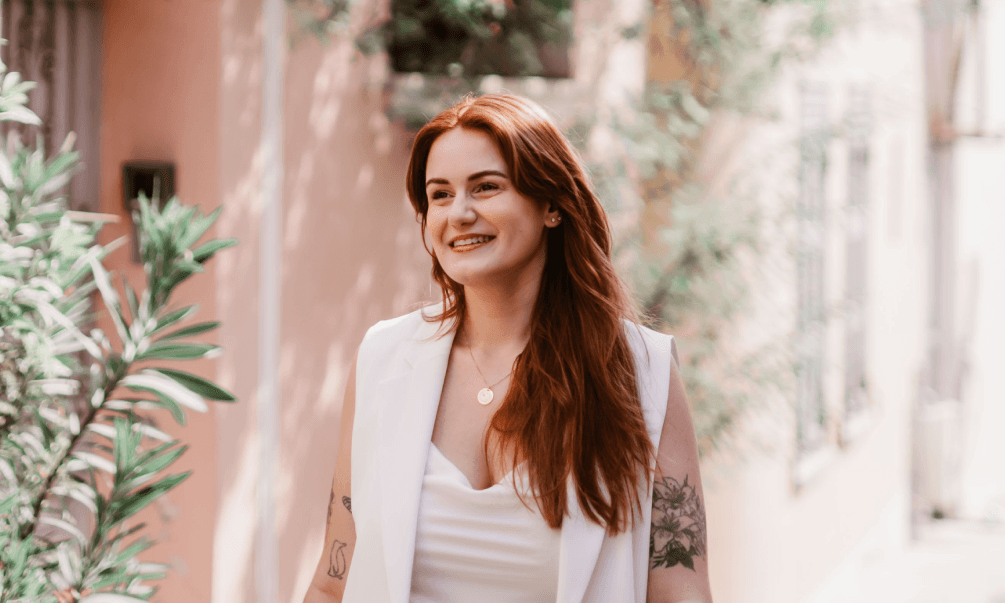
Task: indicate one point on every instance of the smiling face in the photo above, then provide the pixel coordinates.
(481, 229)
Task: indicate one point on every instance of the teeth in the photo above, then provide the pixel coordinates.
(471, 241)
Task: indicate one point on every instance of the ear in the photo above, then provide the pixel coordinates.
(552, 217)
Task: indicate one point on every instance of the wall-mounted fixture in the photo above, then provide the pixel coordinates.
(154, 179)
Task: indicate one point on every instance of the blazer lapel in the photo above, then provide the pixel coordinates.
(579, 548)
(408, 402)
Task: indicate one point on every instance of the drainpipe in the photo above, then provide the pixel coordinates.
(270, 254)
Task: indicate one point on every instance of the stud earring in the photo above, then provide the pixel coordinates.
(553, 220)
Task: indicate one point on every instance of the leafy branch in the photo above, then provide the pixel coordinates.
(80, 455)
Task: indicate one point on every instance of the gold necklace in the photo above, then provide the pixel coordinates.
(485, 394)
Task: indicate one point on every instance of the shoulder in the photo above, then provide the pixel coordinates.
(406, 326)
(655, 350)
(385, 337)
(655, 357)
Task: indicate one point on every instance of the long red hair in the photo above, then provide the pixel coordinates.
(573, 405)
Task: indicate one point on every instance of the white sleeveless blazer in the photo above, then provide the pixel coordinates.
(399, 377)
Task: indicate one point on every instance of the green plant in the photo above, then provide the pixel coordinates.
(319, 18)
(475, 37)
(79, 454)
(688, 254)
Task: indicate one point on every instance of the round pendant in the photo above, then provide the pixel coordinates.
(485, 396)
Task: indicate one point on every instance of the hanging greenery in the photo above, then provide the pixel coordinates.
(475, 37)
(691, 255)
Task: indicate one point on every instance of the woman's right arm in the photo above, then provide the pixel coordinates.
(328, 583)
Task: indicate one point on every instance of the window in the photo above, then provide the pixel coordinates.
(810, 260)
(857, 247)
(56, 43)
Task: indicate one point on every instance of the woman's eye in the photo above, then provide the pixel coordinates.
(439, 195)
(486, 186)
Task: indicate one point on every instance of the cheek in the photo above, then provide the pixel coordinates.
(434, 226)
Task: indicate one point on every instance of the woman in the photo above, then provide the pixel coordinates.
(523, 440)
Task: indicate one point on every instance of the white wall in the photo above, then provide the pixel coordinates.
(980, 190)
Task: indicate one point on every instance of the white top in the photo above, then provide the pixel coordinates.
(480, 545)
(399, 381)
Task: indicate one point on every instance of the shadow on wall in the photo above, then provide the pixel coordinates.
(352, 255)
(237, 300)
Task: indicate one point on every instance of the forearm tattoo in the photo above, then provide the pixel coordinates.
(678, 525)
(336, 558)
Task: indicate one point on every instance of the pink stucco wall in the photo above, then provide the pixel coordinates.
(351, 256)
(159, 93)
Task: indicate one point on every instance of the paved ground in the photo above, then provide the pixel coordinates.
(952, 561)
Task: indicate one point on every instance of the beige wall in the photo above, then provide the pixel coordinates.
(159, 84)
(770, 541)
(981, 275)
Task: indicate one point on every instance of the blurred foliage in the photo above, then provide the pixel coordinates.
(319, 18)
(475, 37)
(693, 254)
(79, 457)
(688, 255)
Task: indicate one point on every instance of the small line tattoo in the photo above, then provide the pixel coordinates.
(331, 503)
(336, 560)
(347, 502)
(678, 525)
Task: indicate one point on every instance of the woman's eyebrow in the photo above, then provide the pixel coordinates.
(484, 173)
(474, 176)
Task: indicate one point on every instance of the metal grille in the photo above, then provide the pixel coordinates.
(56, 43)
(810, 257)
(859, 118)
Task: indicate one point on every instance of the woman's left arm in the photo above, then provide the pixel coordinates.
(678, 555)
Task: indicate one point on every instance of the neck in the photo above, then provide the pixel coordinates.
(498, 318)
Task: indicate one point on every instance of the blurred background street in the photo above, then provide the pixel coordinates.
(808, 194)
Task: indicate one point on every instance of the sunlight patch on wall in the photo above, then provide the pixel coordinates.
(233, 540)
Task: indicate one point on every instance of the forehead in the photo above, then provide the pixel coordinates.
(460, 152)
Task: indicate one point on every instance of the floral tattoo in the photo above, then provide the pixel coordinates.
(678, 525)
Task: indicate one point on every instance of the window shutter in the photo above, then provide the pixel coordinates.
(811, 213)
(859, 118)
(56, 43)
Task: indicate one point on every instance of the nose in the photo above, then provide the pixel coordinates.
(461, 210)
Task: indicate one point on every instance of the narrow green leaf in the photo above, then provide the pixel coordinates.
(198, 227)
(110, 598)
(8, 503)
(173, 317)
(205, 251)
(153, 380)
(132, 504)
(134, 304)
(132, 550)
(178, 351)
(173, 407)
(197, 384)
(191, 331)
(110, 297)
